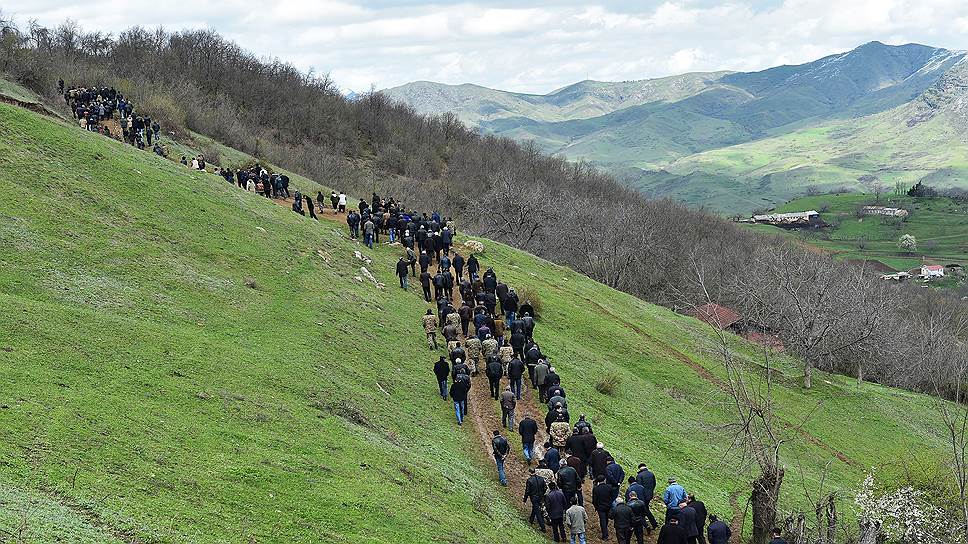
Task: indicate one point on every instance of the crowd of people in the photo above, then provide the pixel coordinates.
(491, 330)
(91, 106)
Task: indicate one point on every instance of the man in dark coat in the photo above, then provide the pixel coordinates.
(425, 283)
(687, 520)
(494, 371)
(614, 474)
(458, 393)
(534, 489)
(517, 343)
(552, 457)
(718, 532)
(442, 371)
(555, 505)
(638, 516)
(602, 501)
(646, 479)
(599, 459)
(473, 267)
(403, 272)
(570, 483)
(701, 513)
(528, 429)
(501, 449)
(458, 263)
(671, 533)
(621, 516)
(515, 376)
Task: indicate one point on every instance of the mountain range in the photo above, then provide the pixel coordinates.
(738, 141)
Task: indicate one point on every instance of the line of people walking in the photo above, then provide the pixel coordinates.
(499, 340)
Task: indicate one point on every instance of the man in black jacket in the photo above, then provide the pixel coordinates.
(442, 371)
(701, 513)
(777, 538)
(528, 429)
(534, 489)
(602, 501)
(621, 516)
(646, 479)
(687, 520)
(425, 283)
(638, 516)
(671, 533)
(501, 449)
(403, 272)
(494, 371)
(719, 532)
(515, 375)
(555, 505)
(458, 263)
(458, 393)
(569, 482)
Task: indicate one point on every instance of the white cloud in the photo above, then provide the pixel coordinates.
(536, 48)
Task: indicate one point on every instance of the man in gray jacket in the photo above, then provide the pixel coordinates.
(575, 520)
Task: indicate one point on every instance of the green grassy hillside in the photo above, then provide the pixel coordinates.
(185, 362)
(940, 226)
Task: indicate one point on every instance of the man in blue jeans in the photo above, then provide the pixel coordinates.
(442, 371)
(515, 374)
(501, 450)
(528, 429)
(458, 393)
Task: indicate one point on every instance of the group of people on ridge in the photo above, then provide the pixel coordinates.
(92, 105)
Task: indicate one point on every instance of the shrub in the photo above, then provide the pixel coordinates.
(165, 110)
(608, 383)
(527, 294)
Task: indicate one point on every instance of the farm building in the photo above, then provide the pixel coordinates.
(716, 315)
(809, 218)
(884, 211)
(897, 276)
(726, 319)
(932, 271)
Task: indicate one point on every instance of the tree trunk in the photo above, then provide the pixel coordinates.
(764, 498)
(869, 532)
(831, 520)
(807, 375)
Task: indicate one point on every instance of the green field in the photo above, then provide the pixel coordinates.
(940, 226)
(186, 362)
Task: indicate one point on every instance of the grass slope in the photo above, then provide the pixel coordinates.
(147, 391)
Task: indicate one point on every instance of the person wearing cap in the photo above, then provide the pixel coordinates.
(672, 496)
(534, 489)
(646, 479)
(501, 449)
(718, 532)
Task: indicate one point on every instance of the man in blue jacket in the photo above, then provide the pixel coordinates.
(672, 496)
(718, 532)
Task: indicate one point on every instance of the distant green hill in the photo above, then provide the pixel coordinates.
(940, 226)
(186, 362)
(739, 141)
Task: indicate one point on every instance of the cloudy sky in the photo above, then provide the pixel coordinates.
(528, 46)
